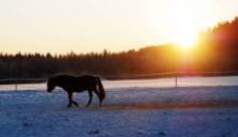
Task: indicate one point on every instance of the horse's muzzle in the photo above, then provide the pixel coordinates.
(48, 90)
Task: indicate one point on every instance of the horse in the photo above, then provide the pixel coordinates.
(72, 84)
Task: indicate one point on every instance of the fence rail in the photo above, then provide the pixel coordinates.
(173, 74)
(143, 76)
(21, 81)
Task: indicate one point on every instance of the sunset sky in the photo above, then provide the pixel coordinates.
(61, 26)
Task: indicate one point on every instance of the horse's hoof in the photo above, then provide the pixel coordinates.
(76, 104)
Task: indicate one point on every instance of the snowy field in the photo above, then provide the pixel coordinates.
(136, 108)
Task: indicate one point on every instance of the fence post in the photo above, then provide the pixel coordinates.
(176, 81)
(16, 88)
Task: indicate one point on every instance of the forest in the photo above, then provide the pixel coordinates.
(216, 53)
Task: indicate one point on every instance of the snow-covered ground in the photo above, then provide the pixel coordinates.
(139, 111)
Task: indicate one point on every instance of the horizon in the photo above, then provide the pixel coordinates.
(83, 53)
(60, 27)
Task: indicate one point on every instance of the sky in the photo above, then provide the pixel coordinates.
(81, 26)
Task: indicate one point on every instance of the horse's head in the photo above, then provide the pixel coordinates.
(51, 84)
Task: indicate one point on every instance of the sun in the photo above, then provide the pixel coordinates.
(182, 32)
(184, 35)
(186, 39)
(180, 22)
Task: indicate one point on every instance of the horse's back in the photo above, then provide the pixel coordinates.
(77, 83)
(87, 80)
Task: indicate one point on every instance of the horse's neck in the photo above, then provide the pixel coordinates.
(59, 83)
(62, 82)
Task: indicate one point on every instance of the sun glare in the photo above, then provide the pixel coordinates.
(184, 36)
(180, 22)
(186, 41)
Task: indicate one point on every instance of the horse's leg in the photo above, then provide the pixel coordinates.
(75, 103)
(97, 93)
(90, 94)
(70, 96)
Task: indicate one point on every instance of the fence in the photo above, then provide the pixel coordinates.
(153, 80)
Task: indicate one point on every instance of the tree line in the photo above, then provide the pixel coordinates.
(143, 61)
(216, 51)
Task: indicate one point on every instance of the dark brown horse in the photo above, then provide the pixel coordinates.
(78, 84)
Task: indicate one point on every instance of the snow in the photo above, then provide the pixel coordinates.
(129, 111)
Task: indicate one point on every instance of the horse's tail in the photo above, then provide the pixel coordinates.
(102, 93)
